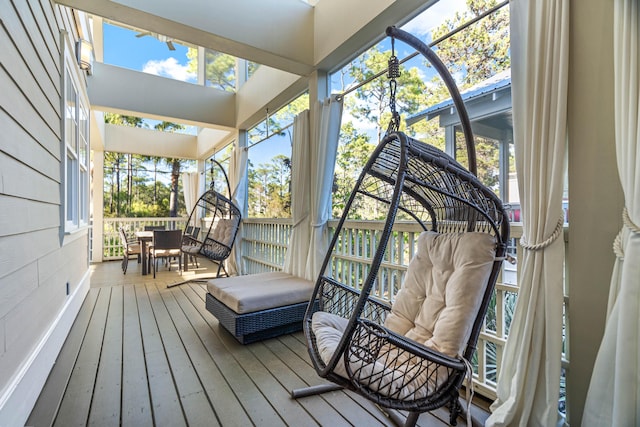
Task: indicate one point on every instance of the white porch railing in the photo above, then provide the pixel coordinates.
(264, 243)
(111, 246)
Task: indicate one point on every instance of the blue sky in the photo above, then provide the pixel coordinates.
(145, 53)
(150, 55)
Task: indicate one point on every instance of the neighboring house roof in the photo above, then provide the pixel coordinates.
(497, 83)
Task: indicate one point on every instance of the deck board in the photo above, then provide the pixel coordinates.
(197, 408)
(207, 356)
(108, 387)
(52, 393)
(254, 401)
(142, 354)
(76, 403)
(165, 403)
(136, 402)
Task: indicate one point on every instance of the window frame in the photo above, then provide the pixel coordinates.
(75, 144)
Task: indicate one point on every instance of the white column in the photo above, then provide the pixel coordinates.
(595, 195)
(97, 205)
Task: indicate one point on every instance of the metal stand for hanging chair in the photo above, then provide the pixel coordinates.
(216, 240)
(421, 183)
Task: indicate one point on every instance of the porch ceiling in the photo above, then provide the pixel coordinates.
(290, 38)
(278, 34)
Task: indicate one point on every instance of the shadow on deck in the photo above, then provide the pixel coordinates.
(140, 353)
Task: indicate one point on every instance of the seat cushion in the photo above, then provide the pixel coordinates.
(436, 306)
(255, 292)
(159, 253)
(391, 374)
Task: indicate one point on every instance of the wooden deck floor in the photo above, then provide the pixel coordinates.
(142, 354)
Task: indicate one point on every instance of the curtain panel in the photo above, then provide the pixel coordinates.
(323, 159)
(238, 182)
(529, 381)
(295, 260)
(190, 190)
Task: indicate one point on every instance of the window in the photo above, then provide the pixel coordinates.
(269, 171)
(216, 176)
(76, 147)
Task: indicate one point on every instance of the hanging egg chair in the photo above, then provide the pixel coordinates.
(212, 227)
(412, 355)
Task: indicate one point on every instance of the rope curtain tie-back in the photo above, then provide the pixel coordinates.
(297, 223)
(542, 245)
(617, 243)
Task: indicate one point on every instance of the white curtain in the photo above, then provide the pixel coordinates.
(190, 190)
(323, 160)
(295, 260)
(529, 381)
(614, 391)
(238, 183)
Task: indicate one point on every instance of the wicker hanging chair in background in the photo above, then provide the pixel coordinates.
(212, 227)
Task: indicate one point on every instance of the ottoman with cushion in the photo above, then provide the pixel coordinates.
(259, 306)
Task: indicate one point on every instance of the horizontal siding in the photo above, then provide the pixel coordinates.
(37, 271)
(29, 151)
(44, 94)
(18, 216)
(27, 39)
(20, 250)
(17, 286)
(20, 180)
(28, 321)
(14, 102)
(68, 264)
(42, 39)
(46, 14)
(30, 305)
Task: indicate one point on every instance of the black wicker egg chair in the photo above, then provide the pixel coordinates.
(212, 227)
(354, 339)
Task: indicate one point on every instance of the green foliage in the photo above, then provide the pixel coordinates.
(481, 50)
(472, 56)
(371, 101)
(270, 188)
(220, 68)
(127, 191)
(353, 151)
(277, 121)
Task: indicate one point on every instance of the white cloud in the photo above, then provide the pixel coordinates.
(422, 24)
(171, 68)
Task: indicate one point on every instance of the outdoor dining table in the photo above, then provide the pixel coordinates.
(143, 238)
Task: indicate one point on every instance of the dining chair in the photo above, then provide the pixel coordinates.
(129, 248)
(166, 244)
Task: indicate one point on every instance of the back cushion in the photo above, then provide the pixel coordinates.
(223, 231)
(443, 289)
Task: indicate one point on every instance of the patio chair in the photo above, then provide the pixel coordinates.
(129, 248)
(166, 244)
(415, 354)
(191, 235)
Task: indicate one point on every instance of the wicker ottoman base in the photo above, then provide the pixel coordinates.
(259, 325)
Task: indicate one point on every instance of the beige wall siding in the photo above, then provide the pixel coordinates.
(35, 267)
